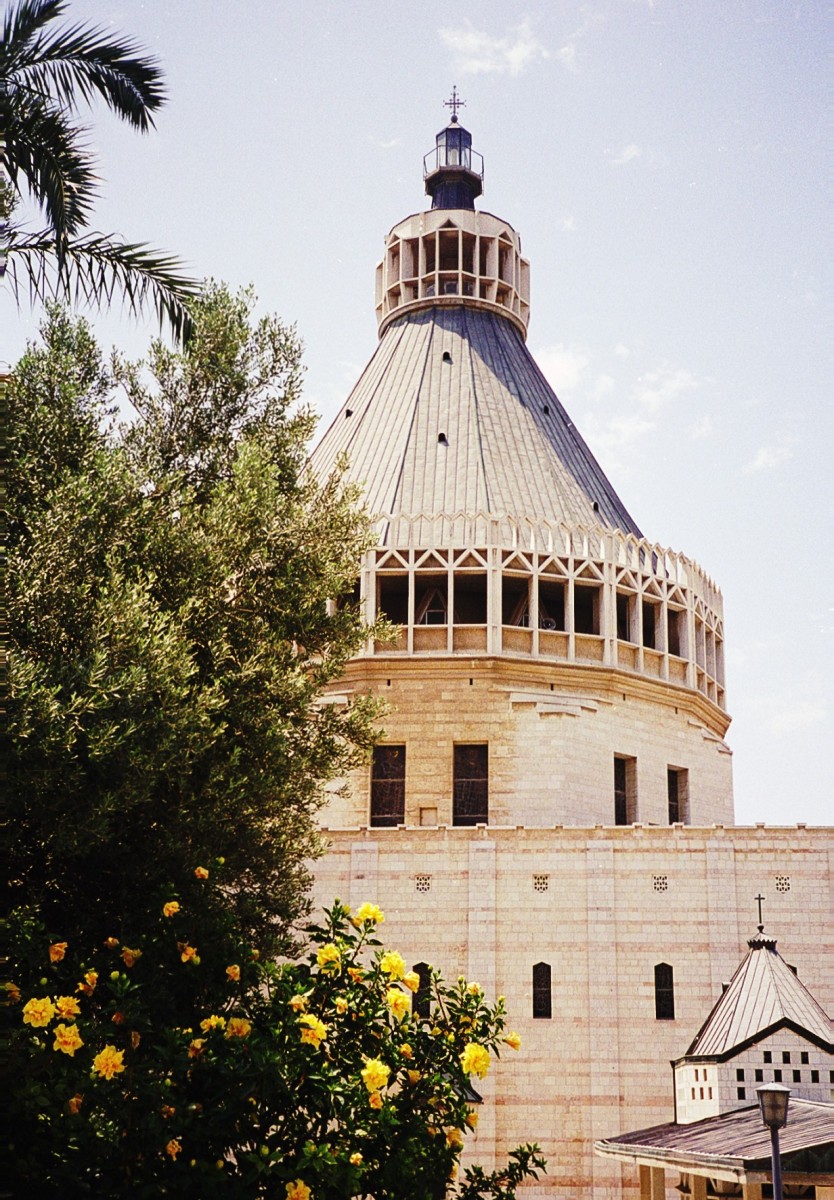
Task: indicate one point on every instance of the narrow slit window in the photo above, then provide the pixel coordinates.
(421, 1003)
(650, 625)
(625, 790)
(388, 786)
(471, 785)
(664, 993)
(674, 631)
(677, 791)
(542, 1001)
(625, 606)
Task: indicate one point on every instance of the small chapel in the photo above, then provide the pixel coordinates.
(549, 809)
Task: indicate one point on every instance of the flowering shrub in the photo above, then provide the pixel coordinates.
(312, 1079)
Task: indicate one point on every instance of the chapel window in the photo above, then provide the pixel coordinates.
(551, 604)
(392, 597)
(625, 616)
(542, 1002)
(664, 993)
(586, 608)
(625, 790)
(421, 1002)
(471, 785)
(677, 792)
(388, 786)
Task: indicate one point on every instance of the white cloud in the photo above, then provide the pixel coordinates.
(569, 223)
(389, 145)
(701, 429)
(768, 457)
(656, 389)
(567, 56)
(476, 52)
(562, 366)
(603, 386)
(798, 715)
(627, 155)
(621, 351)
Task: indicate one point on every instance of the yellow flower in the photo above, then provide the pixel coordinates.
(411, 980)
(201, 873)
(38, 1013)
(406, 1051)
(414, 1076)
(195, 1048)
(375, 1100)
(356, 974)
(329, 957)
(297, 1003)
(238, 1027)
(513, 1041)
(254, 954)
(67, 1039)
(392, 964)
(475, 1060)
(173, 1148)
(67, 1007)
(111, 943)
(12, 993)
(368, 912)
(187, 953)
(108, 1062)
(170, 908)
(57, 951)
(397, 1001)
(454, 1139)
(88, 983)
(135, 1039)
(233, 973)
(313, 1030)
(167, 1111)
(375, 1074)
(340, 1004)
(213, 1022)
(74, 1103)
(118, 1018)
(474, 989)
(472, 1119)
(355, 1159)
(129, 957)
(298, 1191)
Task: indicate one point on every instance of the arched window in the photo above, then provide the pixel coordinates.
(542, 1004)
(421, 1002)
(664, 992)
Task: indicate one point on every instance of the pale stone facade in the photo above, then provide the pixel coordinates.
(585, 664)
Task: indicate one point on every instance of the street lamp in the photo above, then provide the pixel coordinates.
(773, 1103)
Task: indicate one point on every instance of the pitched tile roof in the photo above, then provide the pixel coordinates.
(452, 414)
(763, 993)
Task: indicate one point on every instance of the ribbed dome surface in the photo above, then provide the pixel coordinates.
(452, 415)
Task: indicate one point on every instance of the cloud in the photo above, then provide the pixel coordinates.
(567, 56)
(603, 386)
(389, 145)
(795, 716)
(701, 429)
(627, 155)
(477, 53)
(562, 366)
(768, 457)
(658, 388)
(621, 351)
(569, 223)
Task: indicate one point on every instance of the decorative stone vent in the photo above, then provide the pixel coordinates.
(783, 883)
(422, 883)
(660, 883)
(541, 883)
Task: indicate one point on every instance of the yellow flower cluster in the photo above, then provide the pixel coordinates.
(187, 953)
(238, 1027)
(109, 1062)
(57, 951)
(130, 957)
(397, 1001)
(298, 1191)
(212, 1022)
(313, 1031)
(67, 1039)
(375, 1074)
(329, 958)
(173, 1148)
(88, 983)
(368, 912)
(355, 1159)
(411, 980)
(170, 908)
(67, 1007)
(297, 1003)
(513, 1041)
(201, 873)
(475, 1060)
(233, 973)
(392, 964)
(38, 1013)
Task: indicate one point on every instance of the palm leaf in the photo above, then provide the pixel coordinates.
(94, 269)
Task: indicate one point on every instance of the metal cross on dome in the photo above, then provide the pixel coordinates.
(759, 900)
(454, 103)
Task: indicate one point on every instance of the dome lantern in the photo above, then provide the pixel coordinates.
(453, 171)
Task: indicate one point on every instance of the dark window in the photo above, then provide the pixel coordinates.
(551, 604)
(742, 1093)
(624, 610)
(515, 601)
(786, 1056)
(777, 1076)
(431, 601)
(392, 598)
(471, 797)
(625, 791)
(797, 1077)
(649, 625)
(470, 599)
(739, 1072)
(767, 1056)
(664, 993)
(585, 608)
(759, 1075)
(815, 1077)
(674, 622)
(831, 1076)
(542, 1005)
(677, 791)
(421, 1003)
(803, 1057)
(388, 786)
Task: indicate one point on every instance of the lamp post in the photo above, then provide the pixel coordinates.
(773, 1103)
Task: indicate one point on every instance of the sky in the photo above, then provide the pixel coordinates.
(665, 164)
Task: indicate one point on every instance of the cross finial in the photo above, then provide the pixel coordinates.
(454, 102)
(759, 900)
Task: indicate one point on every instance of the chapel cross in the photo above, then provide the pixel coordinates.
(454, 103)
(758, 900)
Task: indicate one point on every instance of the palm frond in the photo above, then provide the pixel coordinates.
(94, 269)
(45, 148)
(23, 21)
(73, 64)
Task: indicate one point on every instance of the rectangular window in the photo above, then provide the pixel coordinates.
(421, 1002)
(392, 598)
(815, 1077)
(767, 1056)
(551, 604)
(786, 1056)
(759, 1075)
(471, 785)
(586, 608)
(431, 600)
(742, 1093)
(625, 610)
(388, 786)
(797, 1077)
(664, 992)
(739, 1072)
(803, 1057)
(674, 631)
(542, 1004)
(625, 790)
(677, 792)
(515, 601)
(777, 1076)
(470, 599)
(650, 611)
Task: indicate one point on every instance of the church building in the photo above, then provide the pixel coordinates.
(549, 810)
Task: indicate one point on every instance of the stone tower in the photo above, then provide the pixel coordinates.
(549, 810)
